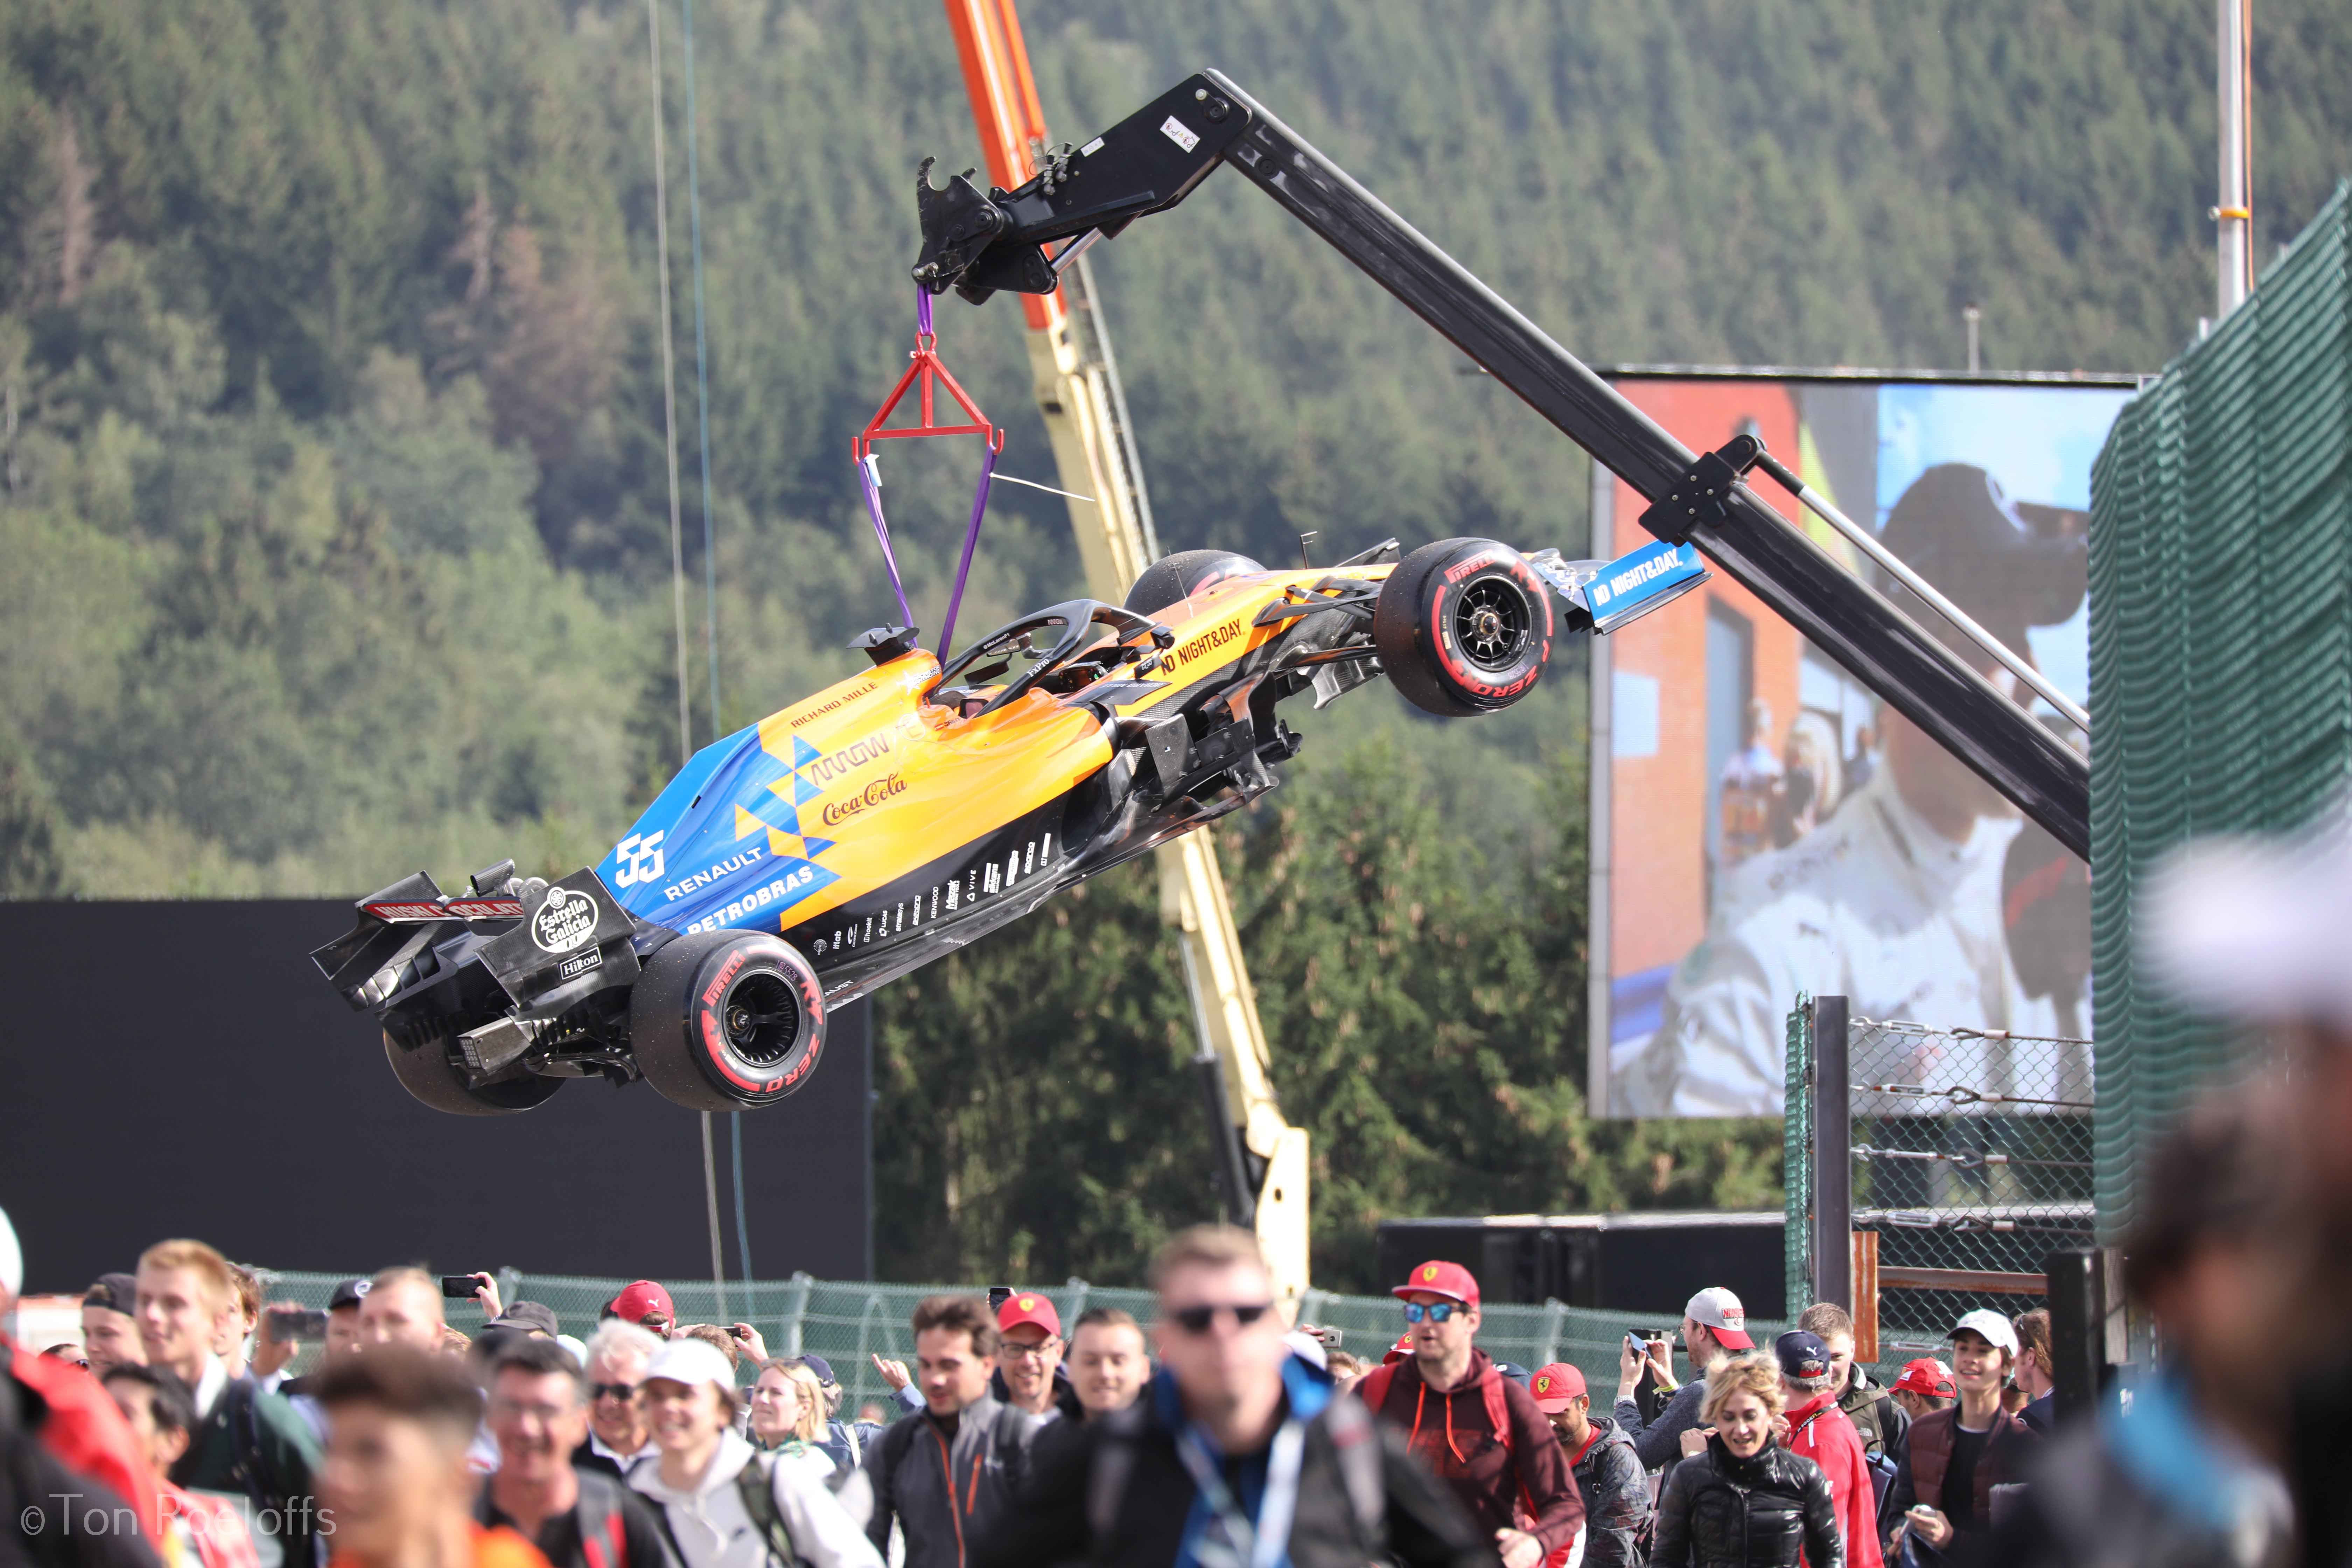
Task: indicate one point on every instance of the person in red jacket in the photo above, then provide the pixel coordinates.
(76, 1419)
(1470, 1426)
(1824, 1433)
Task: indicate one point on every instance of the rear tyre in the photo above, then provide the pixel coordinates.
(1179, 577)
(1464, 627)
(725, 1019)
(430, 1072)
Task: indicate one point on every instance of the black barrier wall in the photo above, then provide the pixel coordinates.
(180, 1070)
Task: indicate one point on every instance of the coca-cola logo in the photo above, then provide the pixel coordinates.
(565, 922)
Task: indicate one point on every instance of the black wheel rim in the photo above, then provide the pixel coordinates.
(1492, 623)
(761, 1018)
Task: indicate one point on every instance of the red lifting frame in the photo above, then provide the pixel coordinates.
(926, 366)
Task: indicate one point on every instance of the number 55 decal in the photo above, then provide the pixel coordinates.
(640, 859)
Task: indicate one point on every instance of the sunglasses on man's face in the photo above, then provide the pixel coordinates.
(1436, 1311)
(1197, 1319)
(613, 1390)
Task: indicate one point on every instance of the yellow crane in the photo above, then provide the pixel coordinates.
(1076, 381)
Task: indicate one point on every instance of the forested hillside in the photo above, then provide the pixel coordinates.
(335, 523)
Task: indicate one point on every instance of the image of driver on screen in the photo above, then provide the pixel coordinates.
(1895, 901)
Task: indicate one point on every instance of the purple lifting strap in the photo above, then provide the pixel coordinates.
(971, 538)
(882, 532)
(923, 314)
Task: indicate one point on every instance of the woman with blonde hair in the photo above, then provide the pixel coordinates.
(787, 1415)
(1739, 1500)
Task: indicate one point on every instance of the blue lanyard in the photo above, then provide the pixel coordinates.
(1266, 1543)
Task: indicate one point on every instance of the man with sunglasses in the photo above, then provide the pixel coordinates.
(618, 1434)
(1480, 1431)
(1237, 1451)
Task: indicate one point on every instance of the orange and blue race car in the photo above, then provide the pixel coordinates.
(856, 835)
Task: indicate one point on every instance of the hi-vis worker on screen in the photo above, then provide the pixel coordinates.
(1895, 902)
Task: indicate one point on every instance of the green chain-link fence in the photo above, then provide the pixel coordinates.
(848, 1322)
(1971, 1154)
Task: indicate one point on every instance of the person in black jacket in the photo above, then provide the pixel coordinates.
(1740, 1500)
(1235, 1435)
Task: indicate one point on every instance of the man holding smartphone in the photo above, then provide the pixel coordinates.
(1714, 1325)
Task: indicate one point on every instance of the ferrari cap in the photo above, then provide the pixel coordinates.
(1028, 1307)
(1719, 1311)
(1398, 1352)
(691, 1361)
(1438, 1278)
(1801, 1354)
(1928, 1376)
(1555, 1386)
(349, 1293)
(1997, 1331)
(115, 1292)
(643, 1300)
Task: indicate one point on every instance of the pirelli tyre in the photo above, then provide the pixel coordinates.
(1179, 577)
(429, 1071)
(722, 1020)
(1464, 627)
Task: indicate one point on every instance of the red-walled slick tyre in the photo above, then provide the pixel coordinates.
(723, 1020)
(1464, 627)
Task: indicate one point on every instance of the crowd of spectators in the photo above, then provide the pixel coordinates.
(1214, 1437)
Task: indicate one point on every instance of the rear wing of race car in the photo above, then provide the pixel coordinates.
(545, 944)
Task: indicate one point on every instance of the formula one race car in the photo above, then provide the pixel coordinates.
(857, 835)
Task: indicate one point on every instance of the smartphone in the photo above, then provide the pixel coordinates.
(460, 1286)
(997, 1296)
(294, 1323)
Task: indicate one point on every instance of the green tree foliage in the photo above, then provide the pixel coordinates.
(334, 501)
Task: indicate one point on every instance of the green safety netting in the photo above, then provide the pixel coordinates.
(2221, 644)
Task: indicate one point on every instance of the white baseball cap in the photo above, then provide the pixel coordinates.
(689, 1361)
(1719, 1311)
(2254, 926)
(1997, 1331)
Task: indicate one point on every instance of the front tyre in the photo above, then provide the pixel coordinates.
(429, 1071)
(725, 1019)
(1464, 627)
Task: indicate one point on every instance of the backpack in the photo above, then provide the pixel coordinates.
(755, 1484)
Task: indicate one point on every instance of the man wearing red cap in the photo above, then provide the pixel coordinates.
(1475, 1428)
(1029, 1373)
(647, 1305)
(1609, 1475)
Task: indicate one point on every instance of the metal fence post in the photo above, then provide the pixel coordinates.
(1555, 1318)
(2078, 1328)
(802, 1284)
(1833, 1126)
(1797, 1156)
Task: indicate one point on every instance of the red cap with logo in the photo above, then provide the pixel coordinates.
(1400, 1350)
(1434, 1278)
(1930, 1377)
(643, 1300)
(1555, 1386)
(1028, 1307)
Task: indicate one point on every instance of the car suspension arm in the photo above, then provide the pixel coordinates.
(977, 242)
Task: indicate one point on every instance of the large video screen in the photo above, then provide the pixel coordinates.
(1767, 825)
